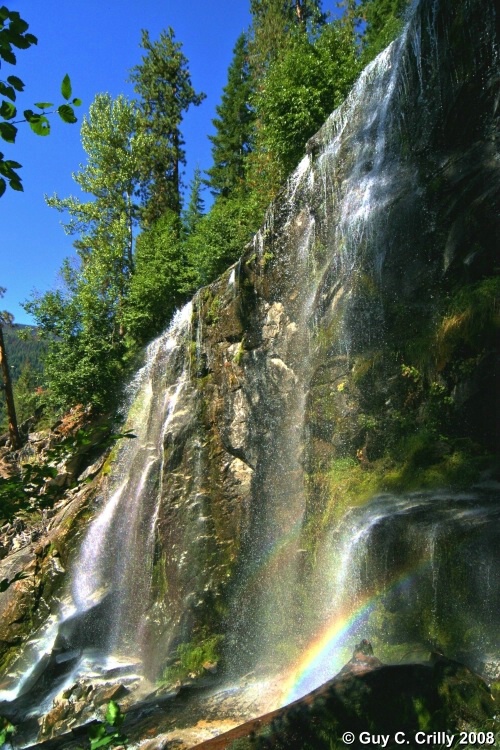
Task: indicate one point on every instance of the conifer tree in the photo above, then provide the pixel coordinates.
(196, 205)
(233, 138)
(163, 83)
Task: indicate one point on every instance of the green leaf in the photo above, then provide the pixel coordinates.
(39, 124)
(31, 38)
(3, 186)
(7, 91)
(20, 41)
(8, 56)
(8, 132)
(77, 102)
(16, 184)
(113, 714)
(66, 113)
(103, 741)
(18, 26)
(16, 83)
(44, 105)
(12, 164)
(66, 87)
(7, 110)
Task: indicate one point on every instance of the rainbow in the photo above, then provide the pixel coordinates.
(323, 656)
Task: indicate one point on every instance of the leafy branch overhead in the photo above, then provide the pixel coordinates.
(14, 34)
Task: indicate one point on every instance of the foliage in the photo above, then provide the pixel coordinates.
(6, 730)
(6, 319)
(220, 236)
(195, 207)
(301, 88)
(273, 22)
(234, 126)
(83, 363)
(160, 283)
(115, 153)
(163, 83)
(192, 657)
(14, 34)
(106, 733)
(384, 21)
(25, 352)
(82, 323)
(32, 490)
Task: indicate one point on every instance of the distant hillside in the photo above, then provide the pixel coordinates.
(21, 350)
(24, 354)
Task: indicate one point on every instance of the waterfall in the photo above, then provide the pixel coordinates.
(218, 519)
(102, 622)
(116, 556)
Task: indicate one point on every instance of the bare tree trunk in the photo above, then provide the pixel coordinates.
(15, 438)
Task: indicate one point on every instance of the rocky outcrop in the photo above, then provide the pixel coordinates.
(351, 351)
(370, 703)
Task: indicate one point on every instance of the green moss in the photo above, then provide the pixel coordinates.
(192, 658)
(472, 316)
(266, 258)
(212, 313)
(159, 578)
(239, 352)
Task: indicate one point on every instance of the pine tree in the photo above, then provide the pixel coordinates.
(163, 83)
(234, 123)
(196, 205)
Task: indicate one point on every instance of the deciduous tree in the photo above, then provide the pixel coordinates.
(14, 34)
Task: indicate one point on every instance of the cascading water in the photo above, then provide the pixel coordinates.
(116, 556)
(338, 236)
(102, 623)
(316, 231)
(220, 519)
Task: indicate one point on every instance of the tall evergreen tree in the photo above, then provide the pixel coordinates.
(196, 205)
(163, 83)
(234, 124)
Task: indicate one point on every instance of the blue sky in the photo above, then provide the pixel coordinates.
(96, 42)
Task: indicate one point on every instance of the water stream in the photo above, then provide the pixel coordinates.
(150, 560)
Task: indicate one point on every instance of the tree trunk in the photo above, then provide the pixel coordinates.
(15, 438)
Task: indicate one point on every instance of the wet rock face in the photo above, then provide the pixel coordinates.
(336, 337)
(351, 350)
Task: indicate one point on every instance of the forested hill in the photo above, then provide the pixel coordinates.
(25, 350)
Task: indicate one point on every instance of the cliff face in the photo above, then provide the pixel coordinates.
(350, 352)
